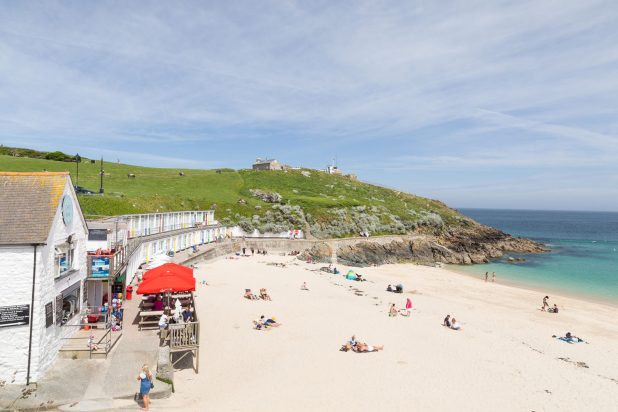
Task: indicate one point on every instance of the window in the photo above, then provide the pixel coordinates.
(64, 258)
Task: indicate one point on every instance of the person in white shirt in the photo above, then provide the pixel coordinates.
(455, 325)
(164, 321)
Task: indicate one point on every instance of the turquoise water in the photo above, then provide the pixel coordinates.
(584, 251)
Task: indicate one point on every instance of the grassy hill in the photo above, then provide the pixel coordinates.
(328, 205)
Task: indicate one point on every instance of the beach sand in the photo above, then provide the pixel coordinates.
(504, 358)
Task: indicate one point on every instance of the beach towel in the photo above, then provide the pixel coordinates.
(571, 340)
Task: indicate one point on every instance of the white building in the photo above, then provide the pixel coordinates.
(42, 268)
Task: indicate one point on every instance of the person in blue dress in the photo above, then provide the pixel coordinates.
(145, 385)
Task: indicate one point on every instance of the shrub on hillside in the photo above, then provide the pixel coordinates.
(268, 197)
(59, 156)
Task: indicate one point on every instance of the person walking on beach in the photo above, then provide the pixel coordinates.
(145, 385)
(486, 276)
(493, 276)
(545, 304)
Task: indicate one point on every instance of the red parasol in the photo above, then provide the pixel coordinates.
(166, 282)
(168, 268)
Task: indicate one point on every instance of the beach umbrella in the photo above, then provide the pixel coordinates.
(169, 268)
(166, 283)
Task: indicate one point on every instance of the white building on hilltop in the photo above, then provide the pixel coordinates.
(43, 239)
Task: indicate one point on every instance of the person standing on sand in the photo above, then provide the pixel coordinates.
(486, 276)
(145, 385)
(545, 304)
(252, 251)
(493, 276)
(408, 304)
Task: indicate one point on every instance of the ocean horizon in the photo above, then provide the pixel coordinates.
(583, 257)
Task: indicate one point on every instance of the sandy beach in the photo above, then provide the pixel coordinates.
(504, 358)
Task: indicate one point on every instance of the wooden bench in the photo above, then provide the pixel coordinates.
(145, 314)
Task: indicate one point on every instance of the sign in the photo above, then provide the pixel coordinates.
(14, 315)
(59, 309)
(97, 234)
(100, 267)
(49, 314)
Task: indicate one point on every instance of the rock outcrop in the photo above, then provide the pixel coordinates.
(319, 253)
(478, 244)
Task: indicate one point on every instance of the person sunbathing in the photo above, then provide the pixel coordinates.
(362, 347)
(569, 338)
(271, 322)
(393, 310)
(264, 295)
(259, 324)
(249, 295)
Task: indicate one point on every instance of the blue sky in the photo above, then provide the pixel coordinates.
(479, 104)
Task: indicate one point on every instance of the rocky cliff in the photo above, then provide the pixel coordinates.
(476, 244)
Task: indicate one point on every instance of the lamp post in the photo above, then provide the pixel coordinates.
(78, 160)
(102, 172)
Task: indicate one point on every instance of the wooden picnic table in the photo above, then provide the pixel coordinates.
(146, 314)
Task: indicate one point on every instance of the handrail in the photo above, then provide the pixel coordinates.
(184, 335)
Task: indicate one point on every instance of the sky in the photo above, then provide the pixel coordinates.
(488, 104)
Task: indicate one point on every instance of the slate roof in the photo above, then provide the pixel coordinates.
(28, 204)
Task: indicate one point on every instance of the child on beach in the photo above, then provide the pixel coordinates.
(447, 321)
(455, 325)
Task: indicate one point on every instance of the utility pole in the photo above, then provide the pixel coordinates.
(101, 173)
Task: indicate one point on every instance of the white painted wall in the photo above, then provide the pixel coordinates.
(16, 270)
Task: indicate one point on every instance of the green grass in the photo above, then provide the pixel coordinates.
(159, 190)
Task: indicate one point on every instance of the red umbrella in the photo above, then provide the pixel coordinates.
(173, 268)
(166, 282)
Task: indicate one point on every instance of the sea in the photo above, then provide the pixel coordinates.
(583, 261)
